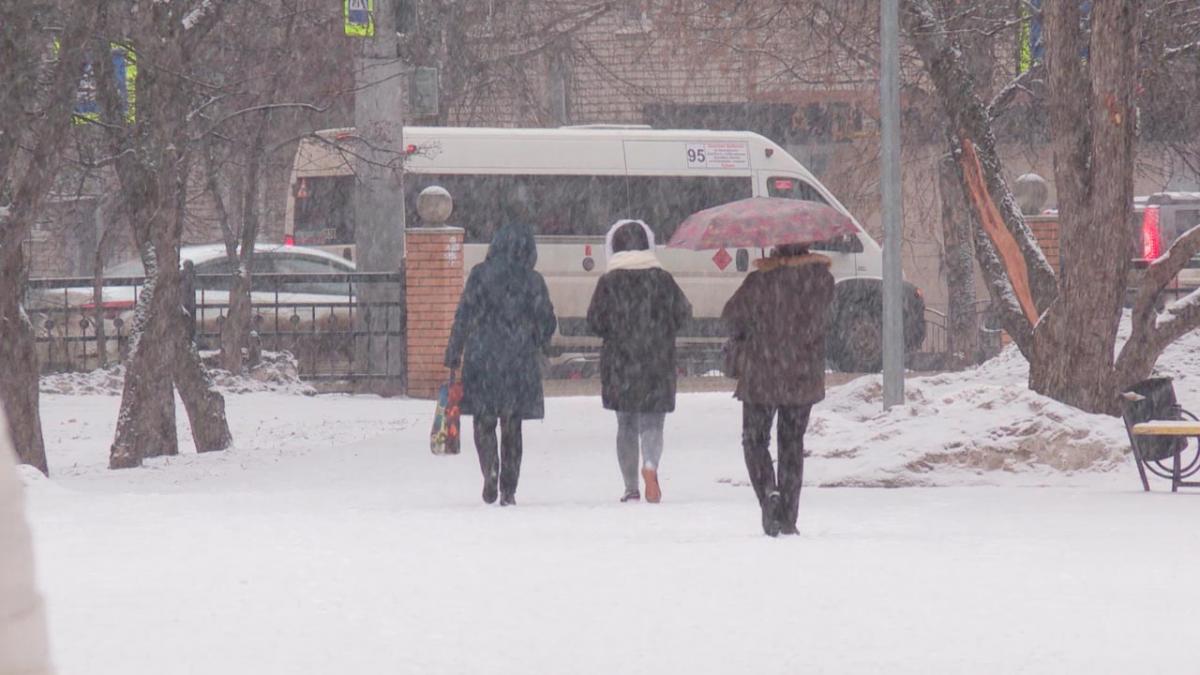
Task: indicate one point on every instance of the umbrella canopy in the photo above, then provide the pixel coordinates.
(761, 222)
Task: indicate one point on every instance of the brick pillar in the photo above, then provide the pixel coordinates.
(434, 274)
(1045, 231)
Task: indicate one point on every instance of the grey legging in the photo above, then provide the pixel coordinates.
(630, 427)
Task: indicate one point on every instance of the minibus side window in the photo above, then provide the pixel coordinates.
(665, 201)
(554, 205)
(324, 212)
(1186, 220)
(789, 187)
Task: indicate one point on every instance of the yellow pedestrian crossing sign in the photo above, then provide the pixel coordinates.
(359, 17)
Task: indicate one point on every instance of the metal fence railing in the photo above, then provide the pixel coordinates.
(934, 351)
(340, 326)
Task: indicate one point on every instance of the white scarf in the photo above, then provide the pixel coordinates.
(633, 260)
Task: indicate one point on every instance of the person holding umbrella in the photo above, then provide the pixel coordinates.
(637, 309)
(504, 320)
(777, 322)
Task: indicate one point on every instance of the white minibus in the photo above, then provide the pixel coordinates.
(572, 183)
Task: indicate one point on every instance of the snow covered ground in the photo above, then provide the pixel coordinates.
(331, 541)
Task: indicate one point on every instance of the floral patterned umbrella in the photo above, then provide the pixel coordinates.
(761, 222)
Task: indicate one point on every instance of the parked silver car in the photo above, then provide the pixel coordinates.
(66, 314)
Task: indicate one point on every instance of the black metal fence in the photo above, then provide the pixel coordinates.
(340, 326)
(934, 351)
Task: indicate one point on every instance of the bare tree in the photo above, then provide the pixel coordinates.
(500, 62)
(40, 82)
(1070, 339)
(153, 149)
(262, 58)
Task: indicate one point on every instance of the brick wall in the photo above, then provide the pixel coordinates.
(1045, 231)
(434, 274)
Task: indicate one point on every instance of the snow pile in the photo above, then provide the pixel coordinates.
(957, 425)
(277, 372)
(102, 381)
(975, 426)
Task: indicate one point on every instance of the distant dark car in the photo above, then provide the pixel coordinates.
(1160, 219)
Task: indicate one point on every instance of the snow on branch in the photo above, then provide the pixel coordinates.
(1005, 96)
(1152, 330)
(196, 15)
(1182, 50)
(1179, 317)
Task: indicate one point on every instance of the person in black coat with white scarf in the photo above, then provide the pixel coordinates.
(637, 309)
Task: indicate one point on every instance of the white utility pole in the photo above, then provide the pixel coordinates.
(893, 209)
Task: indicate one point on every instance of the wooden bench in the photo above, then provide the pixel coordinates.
(1167, 428)
(1159, 431)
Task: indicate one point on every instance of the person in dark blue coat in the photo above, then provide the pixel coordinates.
(503, 323)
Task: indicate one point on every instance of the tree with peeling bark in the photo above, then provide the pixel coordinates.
(153, 145)
(40, 81)
(1066, 322)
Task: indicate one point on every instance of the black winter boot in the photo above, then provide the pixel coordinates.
(770, 514)
(489, 489)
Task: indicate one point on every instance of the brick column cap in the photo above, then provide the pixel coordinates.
(442, 230)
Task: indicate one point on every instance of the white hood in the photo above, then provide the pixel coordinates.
(613, 230)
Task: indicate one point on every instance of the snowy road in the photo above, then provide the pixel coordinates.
(331, 541)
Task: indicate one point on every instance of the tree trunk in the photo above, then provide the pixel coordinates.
(19, 385)
(236, 327)
(1094, 164)
(146, 424)
(969, 120)
(205, 406)
(1092, 120)
(153, 169)
(98, 296)
(34, 121)
(236, 330)
(962, 325)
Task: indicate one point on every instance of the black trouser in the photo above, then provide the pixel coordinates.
(756, 442)
(509, 459)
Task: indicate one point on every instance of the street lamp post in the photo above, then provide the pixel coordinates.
(893, 220)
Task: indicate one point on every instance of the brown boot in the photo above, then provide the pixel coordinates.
(653, 491)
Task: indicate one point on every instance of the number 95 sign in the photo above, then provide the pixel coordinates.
(726, 155)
